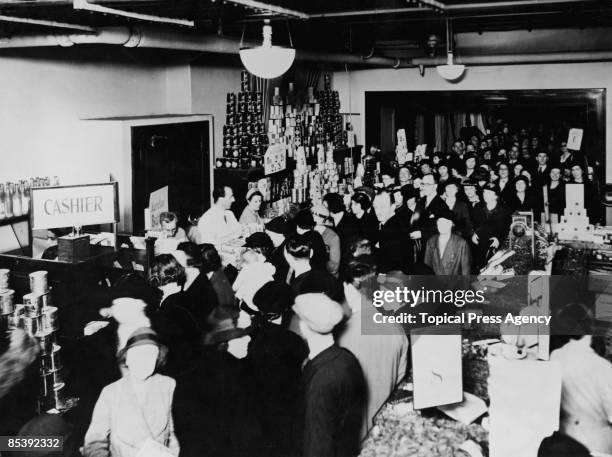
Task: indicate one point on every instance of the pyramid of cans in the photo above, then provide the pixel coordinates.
(245, 139)
(39, 319)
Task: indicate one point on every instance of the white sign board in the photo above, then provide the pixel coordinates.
(574, 139)
(436, 367)
(275, 159)
(73, 206)
(158, 203)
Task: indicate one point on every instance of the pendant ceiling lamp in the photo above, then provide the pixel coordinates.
(450, 71)
(267, 61)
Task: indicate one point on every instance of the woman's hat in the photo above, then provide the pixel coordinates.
(250, 193)
(319, 312)
(446, 213)
(278, 225)
(140, 337)
(522, 178)
(492, 187)
(274, 297)
(222, 326)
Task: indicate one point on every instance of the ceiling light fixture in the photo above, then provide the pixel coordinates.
(450, 71)
(268, 61)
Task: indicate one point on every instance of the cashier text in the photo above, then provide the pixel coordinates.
(90, 204)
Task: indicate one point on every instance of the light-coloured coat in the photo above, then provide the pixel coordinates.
(119, 426)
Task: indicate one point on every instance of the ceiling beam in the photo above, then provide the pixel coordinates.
(60, 25)
(86, 6)
(267, 7)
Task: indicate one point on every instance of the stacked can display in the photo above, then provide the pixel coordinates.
(244, 133)
(38, 317)
(7, 306)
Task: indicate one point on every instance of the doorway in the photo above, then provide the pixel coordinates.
(176, 155)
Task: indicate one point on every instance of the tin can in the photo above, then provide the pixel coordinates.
(38, 282)
(51, 361)
(6, 301)
(32, 304)
(4, 278)
(31, 324)
(54, 399)
(46, 341)
(49, 321)
(47, 300)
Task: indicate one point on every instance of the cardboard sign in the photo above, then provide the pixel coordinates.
(436, 367)
(275, 159)
(574, 139)
(74, 206)
(525, 405)
(158, 203)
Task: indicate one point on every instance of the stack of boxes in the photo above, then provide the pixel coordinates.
(574, 223)
(244, 134)
(39, 319)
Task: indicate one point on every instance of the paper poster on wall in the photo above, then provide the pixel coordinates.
(436, 366)
(574, 139)
(158, 203)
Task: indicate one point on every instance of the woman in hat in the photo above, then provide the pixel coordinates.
(215, 403)
(463, 222)
(179, 319)
(213, 268)
(275, 357)
(133, 415)
(523, 198)
(491, 225)
(256, 269)
(365, 221)
(383, 357)
(250, 214)
(447, 253)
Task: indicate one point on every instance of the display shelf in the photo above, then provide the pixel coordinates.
(14, 219)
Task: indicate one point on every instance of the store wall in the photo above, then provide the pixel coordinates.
(46, 101)
(544, 76)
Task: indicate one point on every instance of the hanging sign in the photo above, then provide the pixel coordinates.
(275, 159)
(574, 139)
(74, 206)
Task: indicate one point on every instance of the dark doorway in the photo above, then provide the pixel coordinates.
(173, 155)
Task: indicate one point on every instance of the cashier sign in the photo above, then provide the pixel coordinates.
(72, 206)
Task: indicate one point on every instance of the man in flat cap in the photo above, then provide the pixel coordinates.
(332, 395)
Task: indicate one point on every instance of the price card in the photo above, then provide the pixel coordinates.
(574, 139)
(275, 159)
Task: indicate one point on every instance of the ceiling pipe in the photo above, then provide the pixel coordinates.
(147, 37)
(515, 59)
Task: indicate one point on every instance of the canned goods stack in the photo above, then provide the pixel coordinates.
(7, 306)
(39, 318)
(244, 133)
